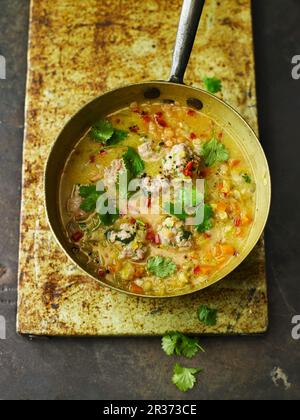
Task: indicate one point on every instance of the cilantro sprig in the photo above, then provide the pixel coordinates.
(134, 164)
(104, 132)
(207, 316)
(207, 223)
(90, 197)
(161, 267)
(184, 378)
(180, 345)
(212, 84)
(213, 152)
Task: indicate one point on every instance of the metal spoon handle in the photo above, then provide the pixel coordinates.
(187, 30)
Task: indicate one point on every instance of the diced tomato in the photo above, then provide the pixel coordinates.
(189, 169)
(191, 112)
(151, 237)
(77, 236)
(193, 136)
(134, 288)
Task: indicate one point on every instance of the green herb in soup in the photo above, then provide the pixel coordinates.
(113, 210)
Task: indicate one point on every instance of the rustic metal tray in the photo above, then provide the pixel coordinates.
(77, 50)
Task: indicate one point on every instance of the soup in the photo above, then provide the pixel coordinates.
(113, 205)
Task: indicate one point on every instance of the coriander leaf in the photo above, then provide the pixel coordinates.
(86, 190)
(247, 178)
(212, 84)
(207, 315)
(170, 209)
(117, 137)
(90, 195)
(134, 164)
(161, 267)
(102, 131)
(207, 221)
(181, 345)
(169, 343)
(184, 378)
(189, 347)
(213, 151)
(107, 218)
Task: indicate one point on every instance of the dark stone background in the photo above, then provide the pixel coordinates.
(235, 368)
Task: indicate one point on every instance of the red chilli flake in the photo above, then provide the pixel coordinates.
(191, 113)
(134, 129)
(237, 222)
(92, 159)
(77, 236)
(101, 273)
(193, 136)
(197, 270)
(102, 152)
(189, 169)
(159, 120)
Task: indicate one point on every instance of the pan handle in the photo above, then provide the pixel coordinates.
(187, 30)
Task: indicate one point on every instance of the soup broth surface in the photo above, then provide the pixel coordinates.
(142, 244)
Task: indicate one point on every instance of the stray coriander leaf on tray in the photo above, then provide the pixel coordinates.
(180, 345)
(184, 378)
(212, 84)
(134, 164)
(213, 152)
(161, 267)
(207, 316)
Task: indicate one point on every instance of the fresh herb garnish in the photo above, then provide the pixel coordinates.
(213, 151)
(207, 315)
(207, 223)
(161, 267)
(247, 178)
(171, 209)
(180, 345)
(117, 137)
(90, 195)
(106, 217)
(104, 132)
(184, 378)
(134, 164)
(212, 84)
